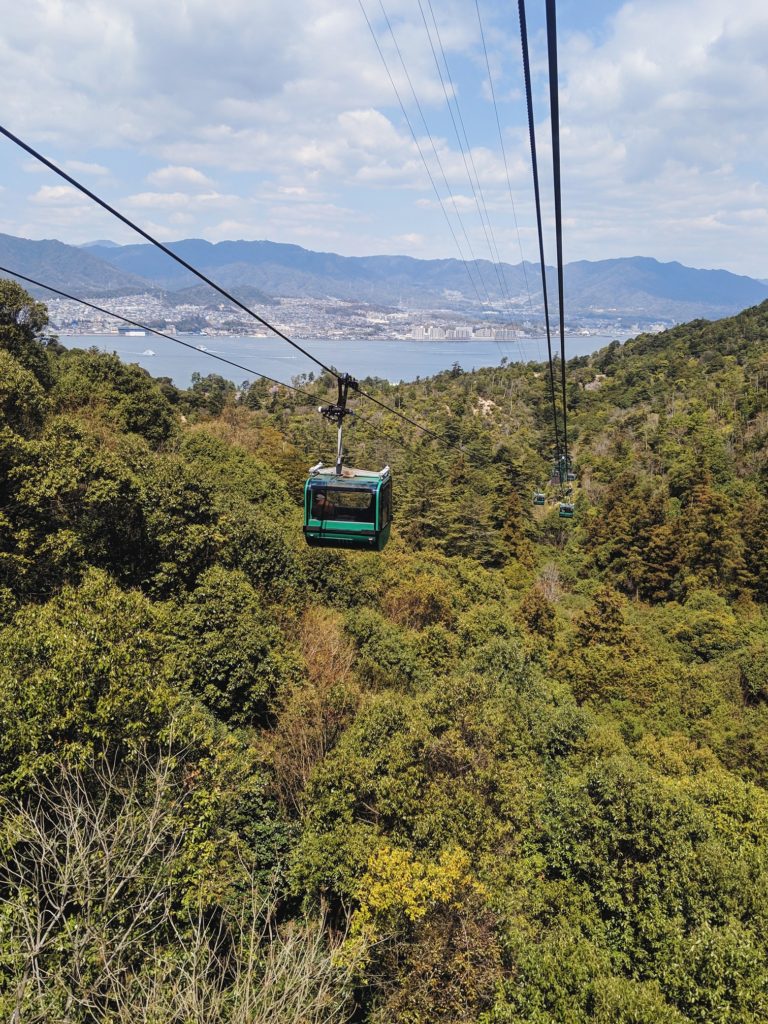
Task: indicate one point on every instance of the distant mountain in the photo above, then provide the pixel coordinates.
(636, 288)
(66, 267)
(81, 271)
(289, 270)
(104, 242)
(639, 284)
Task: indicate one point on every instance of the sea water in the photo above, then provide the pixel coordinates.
(391, 360)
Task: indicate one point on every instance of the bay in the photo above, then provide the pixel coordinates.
(392, 360)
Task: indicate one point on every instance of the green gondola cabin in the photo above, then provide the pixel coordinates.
(352, 509)
(539, 498)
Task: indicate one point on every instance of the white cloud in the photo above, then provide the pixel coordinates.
(33, 167)
(176, 200)
(58, 194)
(368, 130)
(81, 167)
(412, 240)
(188, 176)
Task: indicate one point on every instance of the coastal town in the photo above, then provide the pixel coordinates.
(330, 318)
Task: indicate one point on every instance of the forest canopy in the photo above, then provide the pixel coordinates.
(512, 769)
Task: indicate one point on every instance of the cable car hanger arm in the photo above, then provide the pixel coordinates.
(336, 413)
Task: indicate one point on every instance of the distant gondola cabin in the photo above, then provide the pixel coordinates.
(348, 510)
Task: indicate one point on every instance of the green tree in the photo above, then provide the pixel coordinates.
(754, 530)
(603, 623)
(22, 330)
(538, 614)
(23, 402)
(125, 395)
(711, 546)
(236, 656)
(71, 503)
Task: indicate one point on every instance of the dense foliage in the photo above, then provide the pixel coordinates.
(513, 769)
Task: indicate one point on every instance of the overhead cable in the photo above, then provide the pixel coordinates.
(439, 162)
(537, 198)
(504, 158)
(554, 104)
(467, 157)
(413, 423)
(424, 160)
(477, 192)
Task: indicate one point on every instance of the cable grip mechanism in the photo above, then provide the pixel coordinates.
(336, 413)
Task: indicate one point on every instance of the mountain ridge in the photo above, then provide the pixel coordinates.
(635, 286)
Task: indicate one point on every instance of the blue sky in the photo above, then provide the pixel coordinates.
(253, 119)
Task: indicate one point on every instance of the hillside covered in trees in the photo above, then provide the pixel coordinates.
(513, 769)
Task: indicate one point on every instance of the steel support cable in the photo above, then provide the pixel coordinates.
(436, 155)
(482, 209)
(554, 104)
(537, 197)
(194, 348)
(421, 152)
(125, 220)
(466, 165)
(438, 161)
(506, 165)
(376, 401)
(480, 203)
(164, 248)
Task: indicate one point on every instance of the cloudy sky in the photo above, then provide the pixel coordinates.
(265, 119)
